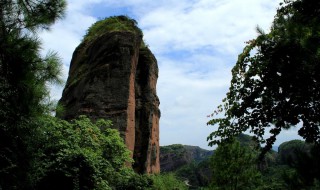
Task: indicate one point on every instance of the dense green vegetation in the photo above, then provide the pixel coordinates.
(112, 24)
(296, 167)
(172, 148)
(188, 163)
(236, 166)
(83, 155)
(198, 174)
(24, 76)
(168, 182)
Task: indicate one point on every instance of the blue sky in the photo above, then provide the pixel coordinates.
(196, 43)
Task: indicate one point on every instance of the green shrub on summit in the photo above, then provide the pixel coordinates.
(111, 24)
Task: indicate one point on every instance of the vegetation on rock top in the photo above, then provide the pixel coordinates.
(112, 24)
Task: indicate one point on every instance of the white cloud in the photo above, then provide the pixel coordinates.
(196, 43)
(66, 34)
(222, 24)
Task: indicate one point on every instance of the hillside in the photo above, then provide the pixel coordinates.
(189, 163)
(174, 156)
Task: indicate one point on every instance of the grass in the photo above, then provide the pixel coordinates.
(111, 24)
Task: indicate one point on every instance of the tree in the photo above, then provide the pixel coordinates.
(24, 75)
(289, 151)
(276, 81)
(23, 71)
(303, 162)
(81, 155)
(167, 181)
(234, 167)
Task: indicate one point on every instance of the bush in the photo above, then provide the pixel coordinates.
(82, 155)
(115, 23)
(167, 181)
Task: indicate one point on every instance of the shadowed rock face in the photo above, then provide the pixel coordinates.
(113, 76)
(174, 156)
(147, 114)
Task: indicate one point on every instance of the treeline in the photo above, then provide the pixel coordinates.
(239, 165)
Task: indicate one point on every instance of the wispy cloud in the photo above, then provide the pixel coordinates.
(196, 43)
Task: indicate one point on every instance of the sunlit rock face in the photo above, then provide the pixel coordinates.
(113, 75)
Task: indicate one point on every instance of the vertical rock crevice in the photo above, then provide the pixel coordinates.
(147, 114)
(113, 75)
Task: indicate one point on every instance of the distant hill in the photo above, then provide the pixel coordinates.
(190, 163)
(174, 156)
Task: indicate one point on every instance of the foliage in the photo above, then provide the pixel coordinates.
(303, 160)
(177, 149)
(247, 141)
(289, 150)
(83, 155)
(198, 174)
(111, 24)
(23, 71)
(275, 82)
(187, 162)
(24, 76)
(272, 178)
(297, 167)
(167, 181)
(30, 14)
(234, 167)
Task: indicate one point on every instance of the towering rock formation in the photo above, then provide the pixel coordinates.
(113, 75)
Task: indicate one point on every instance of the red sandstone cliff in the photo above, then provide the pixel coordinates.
(113, 75)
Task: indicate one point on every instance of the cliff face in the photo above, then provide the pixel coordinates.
(190, 163)
(113, 75)
(174, 156)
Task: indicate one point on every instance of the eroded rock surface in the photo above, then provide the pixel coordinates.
(113, 75)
